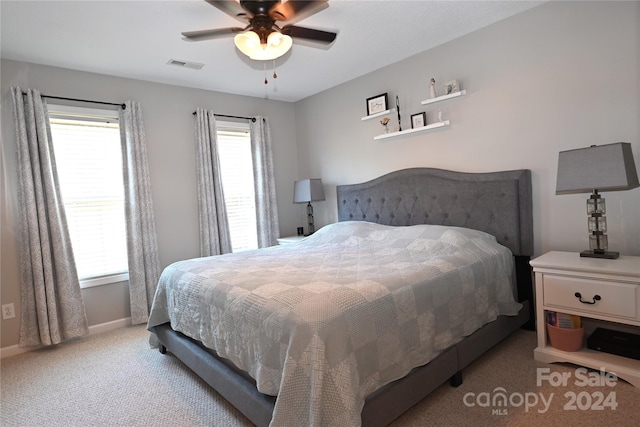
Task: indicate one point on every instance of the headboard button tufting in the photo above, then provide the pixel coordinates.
(501, 202)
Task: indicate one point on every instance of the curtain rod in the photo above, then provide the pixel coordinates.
(81, 100)
(253, 119)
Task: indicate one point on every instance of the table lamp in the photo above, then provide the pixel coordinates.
(597, 168)
(307, 191)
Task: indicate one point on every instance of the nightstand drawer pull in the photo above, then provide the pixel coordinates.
(595, 298)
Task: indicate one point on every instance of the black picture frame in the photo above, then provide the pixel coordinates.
(377, 104)
(418, 120)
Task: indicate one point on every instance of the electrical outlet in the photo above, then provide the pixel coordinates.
(8, 311)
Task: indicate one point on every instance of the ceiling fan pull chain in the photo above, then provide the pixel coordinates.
(265, 72)
(275, 76)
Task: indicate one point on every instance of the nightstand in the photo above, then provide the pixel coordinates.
(560, 277)
(289, 239)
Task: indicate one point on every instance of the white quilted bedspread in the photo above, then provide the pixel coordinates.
(325, 322)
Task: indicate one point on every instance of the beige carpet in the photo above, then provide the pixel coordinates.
(115, 379)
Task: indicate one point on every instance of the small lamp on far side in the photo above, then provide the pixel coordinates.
(307, 191)
(590, 170)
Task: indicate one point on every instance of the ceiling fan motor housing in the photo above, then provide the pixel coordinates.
(263, 26)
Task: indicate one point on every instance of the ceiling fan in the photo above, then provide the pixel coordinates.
(262, 38)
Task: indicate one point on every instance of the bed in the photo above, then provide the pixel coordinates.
(359, 347)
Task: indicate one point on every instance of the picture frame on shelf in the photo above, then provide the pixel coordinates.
(377, 104)
(451, 87)
(418, 120)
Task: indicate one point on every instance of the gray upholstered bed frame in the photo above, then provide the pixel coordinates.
(497, 202)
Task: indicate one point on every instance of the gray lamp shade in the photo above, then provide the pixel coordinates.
(308, 190)
(604, 168)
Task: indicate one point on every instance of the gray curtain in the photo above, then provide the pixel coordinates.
(52, 309)
(215, 238)
(142, 245)
(265, 187)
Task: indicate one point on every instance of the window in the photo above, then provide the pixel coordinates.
(236, 168)
(87, 147)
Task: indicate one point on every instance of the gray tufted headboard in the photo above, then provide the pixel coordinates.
(498, 203)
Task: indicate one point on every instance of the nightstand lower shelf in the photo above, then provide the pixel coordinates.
(624, 367)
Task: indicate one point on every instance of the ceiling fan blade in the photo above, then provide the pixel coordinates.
(231, 8)
(210, 34)
(309, 34)
(296, 9)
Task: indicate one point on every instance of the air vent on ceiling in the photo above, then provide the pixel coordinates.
(186, 64)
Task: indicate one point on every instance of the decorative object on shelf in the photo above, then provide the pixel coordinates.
(385, 122)
(607, 167)
(451, 87)
(440, 115)
(377, 104)
(418, 120)
(398, 110)
(307, 191)
(432, 88)
(300, 231)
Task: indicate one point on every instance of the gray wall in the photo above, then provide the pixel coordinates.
(169, 125)
(560, 76)
(563, 75)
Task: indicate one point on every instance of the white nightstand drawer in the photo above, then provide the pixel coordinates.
(616, 299)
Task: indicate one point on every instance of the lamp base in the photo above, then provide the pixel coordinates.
(594, 253)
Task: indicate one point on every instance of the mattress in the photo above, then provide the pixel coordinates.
(324, 322)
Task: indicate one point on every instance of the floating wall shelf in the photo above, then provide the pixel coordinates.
(444, 97)
(381, 113)
(414, 130)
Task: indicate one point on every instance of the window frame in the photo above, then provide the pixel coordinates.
(235, 128)
(90, 114)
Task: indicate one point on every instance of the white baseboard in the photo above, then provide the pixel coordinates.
(110, 326)
(95, 329)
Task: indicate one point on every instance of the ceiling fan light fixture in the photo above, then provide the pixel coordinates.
(249, 43)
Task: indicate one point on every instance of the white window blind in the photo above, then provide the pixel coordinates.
(236, 168)
(89, 161)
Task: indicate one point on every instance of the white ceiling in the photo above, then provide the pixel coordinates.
(136, 39)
